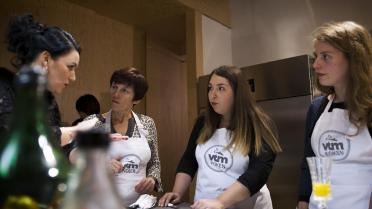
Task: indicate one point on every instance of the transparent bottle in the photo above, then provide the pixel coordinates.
(91, 184)
(33, 170)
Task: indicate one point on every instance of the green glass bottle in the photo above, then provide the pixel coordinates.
(33, 170)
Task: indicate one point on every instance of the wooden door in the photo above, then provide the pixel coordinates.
(166, 103)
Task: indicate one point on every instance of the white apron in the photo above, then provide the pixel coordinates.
(134, 154)
(219, 168)
(351, 173)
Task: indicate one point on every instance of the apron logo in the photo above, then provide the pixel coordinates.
(218, 158)
(131, 163)
(334, 144)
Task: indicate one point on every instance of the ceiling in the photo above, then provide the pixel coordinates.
(163, 20)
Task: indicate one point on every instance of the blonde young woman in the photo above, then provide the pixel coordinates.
(339, 124)
(232, 148)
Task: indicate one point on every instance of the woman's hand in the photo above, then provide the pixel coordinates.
(86, 124)
(68, 133)
(169, 197)
(116, 166)
(181, 184)
(207, 204)
(146, 185)
(303, 205)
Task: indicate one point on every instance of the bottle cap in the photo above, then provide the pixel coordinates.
(92, 139)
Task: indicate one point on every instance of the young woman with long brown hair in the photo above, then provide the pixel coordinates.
(232, 148)
(339, 124)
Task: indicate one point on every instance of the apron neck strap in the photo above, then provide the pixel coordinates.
(138, 122)
(330, 97)
(136, 119)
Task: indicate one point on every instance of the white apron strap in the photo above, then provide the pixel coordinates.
(108, 122)
(330, 101)
(140, 126)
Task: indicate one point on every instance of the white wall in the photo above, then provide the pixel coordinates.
(217, 48)
(267, 30)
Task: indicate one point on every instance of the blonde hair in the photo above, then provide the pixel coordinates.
(249, 125)
(355, 42)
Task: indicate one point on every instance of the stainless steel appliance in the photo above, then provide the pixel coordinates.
(283, 88)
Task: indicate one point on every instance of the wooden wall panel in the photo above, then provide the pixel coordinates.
(194, 51)
(139, 62)
(166, 103)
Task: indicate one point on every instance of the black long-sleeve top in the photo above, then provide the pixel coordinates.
(315, 110)
(7, 100)
(254, 178)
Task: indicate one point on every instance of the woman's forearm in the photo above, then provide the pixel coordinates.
(234, 194)
(181, 183)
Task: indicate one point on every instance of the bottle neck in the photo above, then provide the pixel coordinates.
(92, 160)
(30, 108)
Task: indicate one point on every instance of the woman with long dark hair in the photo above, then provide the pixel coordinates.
(53, 50)
(232, 148)
(339, 124)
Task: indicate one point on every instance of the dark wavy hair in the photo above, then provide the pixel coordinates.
(27, 39)
(130, 76)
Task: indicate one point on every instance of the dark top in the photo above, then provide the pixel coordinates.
(77, 121)
(7, 99)
(315, 110)
(254, 178)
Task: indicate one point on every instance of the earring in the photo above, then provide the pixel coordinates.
(45, 67)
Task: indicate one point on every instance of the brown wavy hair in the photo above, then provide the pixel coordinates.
(355, 42)
(249, 125)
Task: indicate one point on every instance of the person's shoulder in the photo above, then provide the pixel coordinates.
(6, 80)
(316, 108)
(100, 120)
(319, 99)
(7, 74)
(319, 102)
(90, 117)
(6, 77)
(145, 119)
